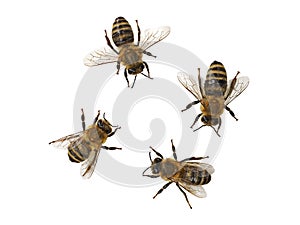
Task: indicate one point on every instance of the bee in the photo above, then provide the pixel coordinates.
(129, 54)
(187, 173)
(85, 145)
(215, 95)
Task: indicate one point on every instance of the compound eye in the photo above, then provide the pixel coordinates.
(100, 123)
(131, 71)
(142, 67)
(204, 119)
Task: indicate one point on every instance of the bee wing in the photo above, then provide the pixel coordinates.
(203, 166)
(100, 56)
(196, 190)
(153, 35)
(89, 165)
(240, 85)
(64, 142)
(190, 84)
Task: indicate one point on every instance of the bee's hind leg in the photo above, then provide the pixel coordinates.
(109, 44)
(139, 32)
(182, 191)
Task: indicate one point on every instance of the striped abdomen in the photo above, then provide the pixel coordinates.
(80, 152)
(216, 80)
(194, 176)
(122, 32)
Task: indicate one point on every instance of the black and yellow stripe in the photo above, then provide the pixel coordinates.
(216, 80)
(78, 153)
(195, 176)
(122, 32)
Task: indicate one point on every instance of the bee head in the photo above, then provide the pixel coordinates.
(206, 119)
(136, 68)
(210, 121)
(104, 125)
(156, 165)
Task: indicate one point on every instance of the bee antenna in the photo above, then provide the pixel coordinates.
(149, 156)
(215, 131)
(97, 117)
(157, 153)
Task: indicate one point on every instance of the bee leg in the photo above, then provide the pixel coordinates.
(139, 32)
(147, 68)
(232, 84)
(97, 117)
(163, 188)
(174, 150)
(112, 133)
(190, 105)
(126, 77)
(108, 42)
(82, 119)
(182, 191)
(118, 67)
(157, 153)
(196, 119)
(231, 112)
(149, 53)
(110, 148)
(194, 158)
(133, 81)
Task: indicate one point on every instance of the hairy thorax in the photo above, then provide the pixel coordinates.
(169, 168)
(130, 54)
(212, 106)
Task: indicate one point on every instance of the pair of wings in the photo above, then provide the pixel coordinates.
(197, 87)
(107, 55)
(88, 166)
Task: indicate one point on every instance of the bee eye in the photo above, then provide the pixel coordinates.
(131, 71)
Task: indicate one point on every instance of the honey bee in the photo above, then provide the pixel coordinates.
(85, 145)
(128, 54)
(215, 95)
(187, 173)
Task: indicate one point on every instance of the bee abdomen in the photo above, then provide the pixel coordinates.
(122, 32)
(78, 153)
(216, 80)
(198, 177)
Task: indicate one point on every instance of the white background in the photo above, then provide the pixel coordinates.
(41, 49)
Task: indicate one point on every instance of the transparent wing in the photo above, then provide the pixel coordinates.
(240, 85)
(89, 165)
(190, 84)
(196, 190)
(64, 142)
(152, 36)
(100, 56)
